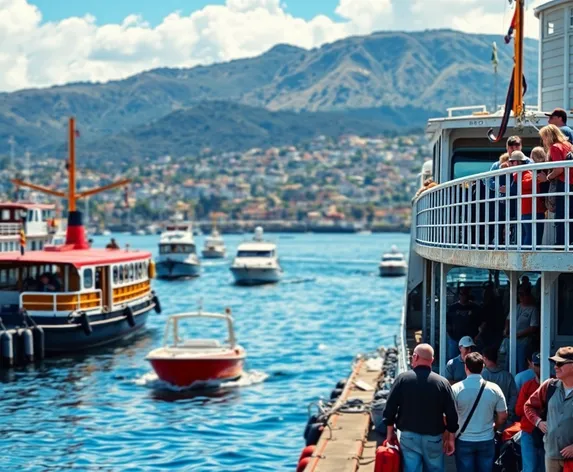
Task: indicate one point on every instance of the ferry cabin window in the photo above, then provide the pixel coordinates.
(6, 215)
(88, 278)
(115, 275)
(255, 254)
(473, 161)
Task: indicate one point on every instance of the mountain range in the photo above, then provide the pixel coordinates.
(381, 83)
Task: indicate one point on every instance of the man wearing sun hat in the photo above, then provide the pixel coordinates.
(558, 117)
(456, 368)
(555, 397)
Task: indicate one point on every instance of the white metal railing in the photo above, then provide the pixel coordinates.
(10, 229)
(474, 213)
(52, 301)
(476, 108)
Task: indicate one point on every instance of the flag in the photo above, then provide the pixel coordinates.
(494, 59)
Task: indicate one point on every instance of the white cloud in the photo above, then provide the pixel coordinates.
(36, 53)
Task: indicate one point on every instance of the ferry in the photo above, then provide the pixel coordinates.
(178, 253)
(80, 297)
(256, 262)
(36, 219)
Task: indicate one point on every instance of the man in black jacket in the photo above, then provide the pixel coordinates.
(417, 404)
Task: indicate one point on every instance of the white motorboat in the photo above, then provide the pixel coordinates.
(177, 253)
(393, 263)
(256, 262)
(214, 247)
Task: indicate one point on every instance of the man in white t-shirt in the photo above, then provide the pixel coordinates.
(475, 447)
(527, 326)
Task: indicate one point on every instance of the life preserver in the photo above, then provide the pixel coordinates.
(129, 316)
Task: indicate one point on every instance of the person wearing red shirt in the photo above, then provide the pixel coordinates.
(532, 456)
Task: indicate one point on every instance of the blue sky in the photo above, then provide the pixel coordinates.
(153, 11)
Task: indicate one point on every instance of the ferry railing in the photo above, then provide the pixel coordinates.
(10, 229)
(478, 212)
(60, 301)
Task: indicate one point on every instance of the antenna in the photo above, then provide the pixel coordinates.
(12, 143)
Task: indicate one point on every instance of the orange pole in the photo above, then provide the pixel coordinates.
(72, 167)
(518, 69)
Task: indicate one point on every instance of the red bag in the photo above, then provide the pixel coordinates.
(387, 459)
(510, 431)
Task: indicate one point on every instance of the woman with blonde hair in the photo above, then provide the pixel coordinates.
(558, 148)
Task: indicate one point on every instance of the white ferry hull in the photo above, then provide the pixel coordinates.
(177, 270)
(255, 276)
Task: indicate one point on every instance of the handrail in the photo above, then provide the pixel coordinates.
(479, 108)
(77, 304)
(472, 213)
(173, 324)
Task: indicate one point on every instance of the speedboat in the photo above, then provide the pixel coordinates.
(256, 262)
(197, 362)
(393, 264)
(214, 247)
(177, 253)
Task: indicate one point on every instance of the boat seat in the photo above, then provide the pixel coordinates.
(200, 343)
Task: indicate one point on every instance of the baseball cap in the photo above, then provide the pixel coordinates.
(563, 354)
(517, 156)
(559, 112)
(536, 358)
(467, 341)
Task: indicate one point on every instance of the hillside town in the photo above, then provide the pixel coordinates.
(351, 183)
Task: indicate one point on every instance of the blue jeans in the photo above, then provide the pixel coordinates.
(421, 452)
(527, 229)
(475, 456)
(533, 458)
(452, 348)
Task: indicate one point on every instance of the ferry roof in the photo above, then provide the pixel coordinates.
(77, 258)
(550, 4)
(28, 205)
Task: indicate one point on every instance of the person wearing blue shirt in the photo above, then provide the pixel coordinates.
(558, 117)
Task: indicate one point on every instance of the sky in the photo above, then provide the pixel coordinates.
(52, 42)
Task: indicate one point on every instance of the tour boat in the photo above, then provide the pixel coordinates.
(177, 253)
(214, 247)
(256, 262)
(80, 297)
(197, 362)
(36, 219)
(393, 264)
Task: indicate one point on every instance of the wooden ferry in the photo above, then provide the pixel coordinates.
(80, 297)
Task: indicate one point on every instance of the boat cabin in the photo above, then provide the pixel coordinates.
(37, 220)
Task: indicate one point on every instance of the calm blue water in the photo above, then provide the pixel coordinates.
(106, 410)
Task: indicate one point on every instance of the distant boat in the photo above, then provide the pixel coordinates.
(393, 263)
(256, 262)
(177, 253)
(214, 247)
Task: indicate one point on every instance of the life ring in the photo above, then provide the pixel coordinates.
(85, 322)
(129, 316)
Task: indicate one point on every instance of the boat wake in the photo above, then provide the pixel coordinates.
(150, 380)
(298, 281)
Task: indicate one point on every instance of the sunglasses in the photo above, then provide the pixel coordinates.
(561, 364)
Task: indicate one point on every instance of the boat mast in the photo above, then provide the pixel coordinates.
(518, 91)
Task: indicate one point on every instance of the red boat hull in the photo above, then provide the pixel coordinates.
(185, 372)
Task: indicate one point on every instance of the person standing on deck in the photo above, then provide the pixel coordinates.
(417, 404)
(558, 117)
(530, 372)
(462, 319)
(555, 398)
(480, 405)
(502, 378)
(455, 368)
(532, 451)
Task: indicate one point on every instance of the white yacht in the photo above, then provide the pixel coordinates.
(256, 262)
(393, 263)
(177, 253)
(214, 247)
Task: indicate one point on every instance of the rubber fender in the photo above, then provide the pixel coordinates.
(314, 433)
(28, 345)
(85, 322)
(39, 342)
(7, 349)
(129, 315)
(155, 300)
(313, 419)
(18, 340)
(307, 452)
(341, 383)
(303, 463)
(335, 393)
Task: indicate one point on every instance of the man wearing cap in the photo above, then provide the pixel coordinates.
(528, 373)
(517, 158)
(532, 451)
(556, 398)
(456, 368)
(421, 405)
(558, 117)
(463, 318)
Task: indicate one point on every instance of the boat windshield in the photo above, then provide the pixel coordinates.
(177, 249)
(255, 254)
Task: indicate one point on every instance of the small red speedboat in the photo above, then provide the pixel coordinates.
(197, 362)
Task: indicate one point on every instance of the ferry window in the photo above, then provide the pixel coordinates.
(115, 275)
(5, 215)
(565, 305)
(120, 270)
(254, 254)
(30, 215)
(88, 278)
(550, 28)
(130, 271)
(125, 273)
(33, 245)
(473, 161)
(140, 270)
